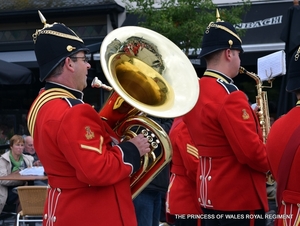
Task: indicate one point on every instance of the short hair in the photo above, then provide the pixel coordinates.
(57, 70)
(15, 139)
(213, 55)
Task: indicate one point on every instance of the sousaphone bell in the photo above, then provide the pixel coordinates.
(148, 75)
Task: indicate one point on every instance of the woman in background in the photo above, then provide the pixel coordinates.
(12, 162)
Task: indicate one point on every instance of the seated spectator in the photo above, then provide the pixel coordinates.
(29, 150)
(12, 162)
(3, 136)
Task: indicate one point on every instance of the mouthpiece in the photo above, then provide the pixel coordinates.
(96, 83)
(242, 70)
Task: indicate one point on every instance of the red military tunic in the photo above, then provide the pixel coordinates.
(280, 133)
(89, 178)
(233, 161)
(181, 196)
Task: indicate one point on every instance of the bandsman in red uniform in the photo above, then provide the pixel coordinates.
(231, 179)
(181, 195)
(88, 168)
(283, 150)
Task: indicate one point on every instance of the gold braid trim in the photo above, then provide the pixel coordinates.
(42, 99)
(55, 33)
(59, 34)
(212, 24)
(212, 74)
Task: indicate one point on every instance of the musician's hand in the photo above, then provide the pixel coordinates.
(255, 107)
(141, 143)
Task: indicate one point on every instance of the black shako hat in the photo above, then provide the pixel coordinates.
(52, 44)
(293, 75)
(220, 35)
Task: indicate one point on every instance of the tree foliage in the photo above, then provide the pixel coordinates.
(184, 21)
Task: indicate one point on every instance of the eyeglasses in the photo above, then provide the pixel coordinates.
(85, 59)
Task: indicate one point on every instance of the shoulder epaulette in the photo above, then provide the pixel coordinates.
(41, 100)
(72, 102)
(229, 87)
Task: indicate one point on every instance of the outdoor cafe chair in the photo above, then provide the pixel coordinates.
(32, 200)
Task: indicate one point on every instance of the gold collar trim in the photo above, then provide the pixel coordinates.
(215, 75)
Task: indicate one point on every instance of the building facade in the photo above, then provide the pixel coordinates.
(92, 20)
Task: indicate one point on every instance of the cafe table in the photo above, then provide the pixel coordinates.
(29, 178)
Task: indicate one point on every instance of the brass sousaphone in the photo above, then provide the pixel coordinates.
(148, 75)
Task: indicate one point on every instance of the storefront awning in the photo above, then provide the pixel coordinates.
(28, 59)
(23, 58)
(263, 24)
(14, 74)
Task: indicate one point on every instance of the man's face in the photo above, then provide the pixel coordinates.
(28, 147)
(236, 61)
(81, 70)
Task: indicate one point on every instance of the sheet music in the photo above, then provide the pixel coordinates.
(271, 65)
